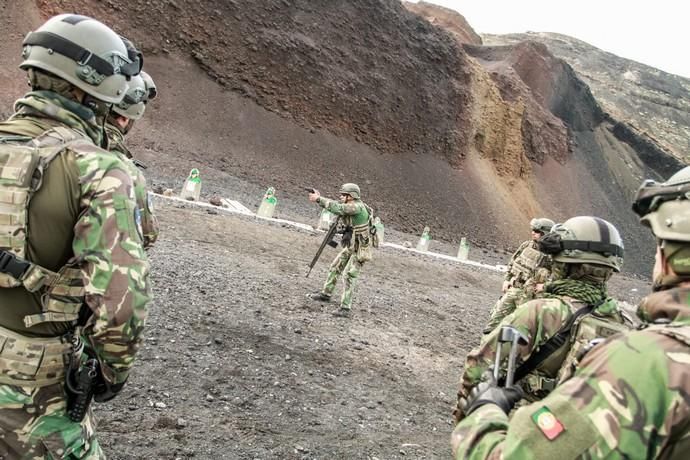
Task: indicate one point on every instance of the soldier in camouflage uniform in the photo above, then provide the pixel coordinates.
(119, 123)
(73, 272)
(354, 215)
(528, 270)
(574, 308)
(630, 397)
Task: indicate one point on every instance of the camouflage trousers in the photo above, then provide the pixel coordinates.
(34, 426)
(505, 306)
(344, 263)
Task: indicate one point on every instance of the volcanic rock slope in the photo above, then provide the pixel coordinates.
(438, 129)
(645, 102)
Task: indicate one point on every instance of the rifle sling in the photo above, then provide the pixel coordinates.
(550, 346)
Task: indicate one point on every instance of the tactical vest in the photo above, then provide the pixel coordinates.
(562, 362)
(23, 161)
(525, 264)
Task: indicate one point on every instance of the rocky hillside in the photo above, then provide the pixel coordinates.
(651, 107)
(438, 128)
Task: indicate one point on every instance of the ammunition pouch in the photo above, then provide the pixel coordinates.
(362, 242)
(32, 361)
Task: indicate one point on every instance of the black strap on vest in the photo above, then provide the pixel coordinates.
(593, 246)
(550, 346)
(13, 265)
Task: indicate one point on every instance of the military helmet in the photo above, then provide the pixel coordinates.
(134, 102)
(151, 88)
(84, 52)
(590, 240)
(665, 207)
(138, 95)
(350, 189)
(541, 224)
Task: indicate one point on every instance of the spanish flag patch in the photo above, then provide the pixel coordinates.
(548, 423)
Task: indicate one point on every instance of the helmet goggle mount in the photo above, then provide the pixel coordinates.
(552, 243)
(652, 194)
(135, 97)
(85, 57)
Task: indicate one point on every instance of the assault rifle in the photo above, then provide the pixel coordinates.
(514, 337)
(327, 240)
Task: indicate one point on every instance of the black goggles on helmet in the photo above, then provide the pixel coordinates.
(552, 243)
(652, 194)
(134, 55)
(83, 56)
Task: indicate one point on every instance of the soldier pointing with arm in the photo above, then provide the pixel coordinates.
(356, 242)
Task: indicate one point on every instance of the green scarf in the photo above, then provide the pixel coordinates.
(577, 289)
(57, 107)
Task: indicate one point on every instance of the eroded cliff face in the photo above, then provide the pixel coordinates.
(447, 19)
(368, 70)
(649, 108)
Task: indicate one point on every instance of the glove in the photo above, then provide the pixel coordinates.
(487, 392)
(104, 391)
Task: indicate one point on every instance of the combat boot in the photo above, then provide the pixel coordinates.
(320, 296)
(342, 312)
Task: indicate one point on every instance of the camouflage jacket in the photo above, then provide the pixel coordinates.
(149, 223)
(538, 320)
(83, 216)
(524, 274)
(353, 213)
(630, 398)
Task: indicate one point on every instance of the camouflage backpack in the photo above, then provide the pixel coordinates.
(23, 161)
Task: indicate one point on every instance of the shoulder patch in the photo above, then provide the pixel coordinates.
(548, 423)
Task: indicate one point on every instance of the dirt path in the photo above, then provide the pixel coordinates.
(238, 364)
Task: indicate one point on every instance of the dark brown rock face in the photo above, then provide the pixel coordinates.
(368, 70)
(447, 19)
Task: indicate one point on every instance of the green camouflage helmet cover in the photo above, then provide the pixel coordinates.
(589, 240)
(665, 209)
(84, 52)
(668, 215)
(351, 189)
(141, 90)
(541, 224)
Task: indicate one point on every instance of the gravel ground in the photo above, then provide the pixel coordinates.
(238, 364)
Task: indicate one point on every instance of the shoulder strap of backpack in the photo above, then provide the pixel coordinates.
(555, 342)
